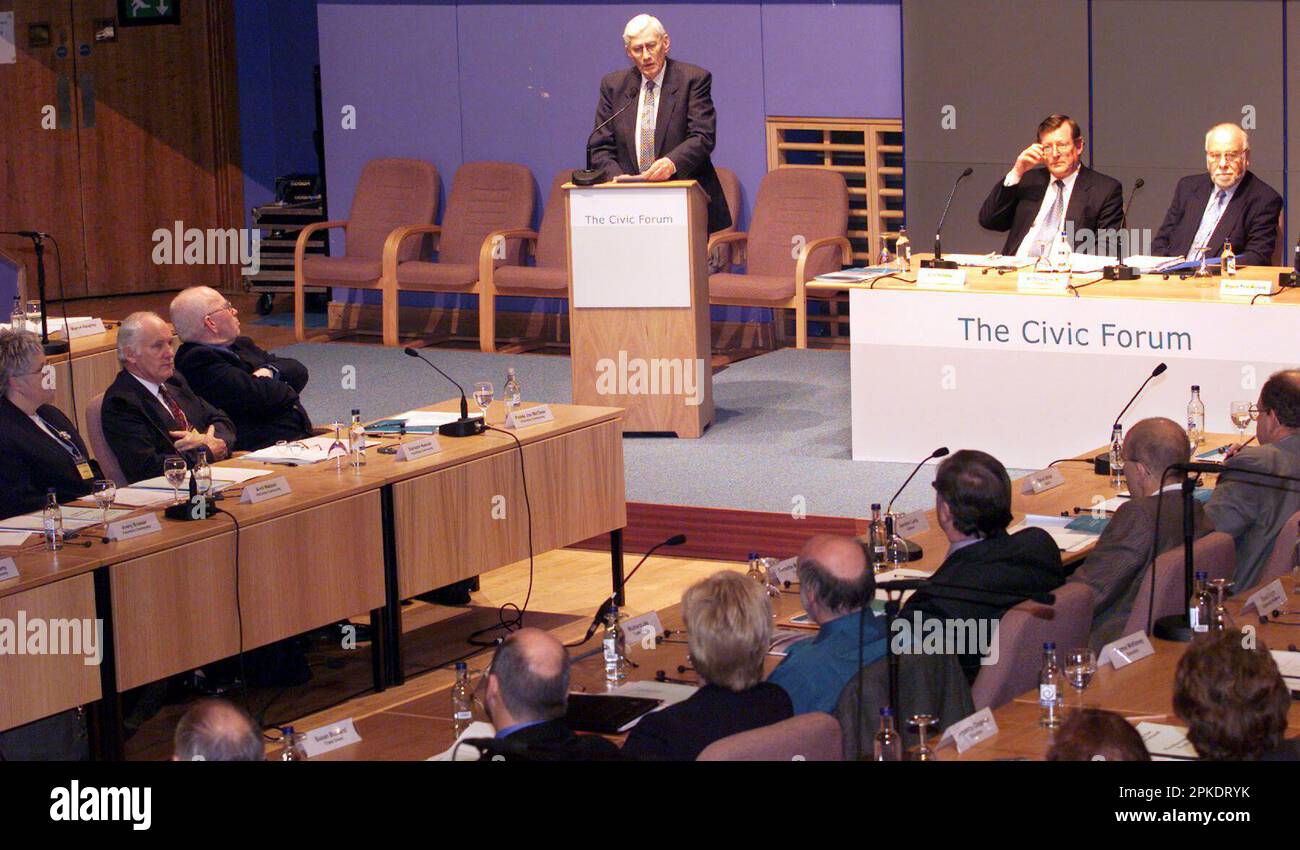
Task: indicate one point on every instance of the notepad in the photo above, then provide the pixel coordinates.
(1066, 539)
(1165, 742)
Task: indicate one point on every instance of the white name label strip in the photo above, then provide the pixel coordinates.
(417, 449)
(129, 529)
(265, 490)
(328, 738)
(531, 416)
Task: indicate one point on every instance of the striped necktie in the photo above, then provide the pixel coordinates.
(173, 408)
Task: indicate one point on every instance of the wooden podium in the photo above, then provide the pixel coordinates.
(639, 303)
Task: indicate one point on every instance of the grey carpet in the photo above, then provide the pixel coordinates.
(780, 439)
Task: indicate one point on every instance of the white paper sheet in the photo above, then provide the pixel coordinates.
(1066, 540)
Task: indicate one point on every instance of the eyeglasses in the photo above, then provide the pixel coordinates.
(223, 308)
(1057, 148)
(1228, 156)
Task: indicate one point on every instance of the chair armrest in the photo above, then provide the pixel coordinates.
(846, 256)
(735, 257)
(395, 240)
(299, 279)
(486, 260)
(300, 245)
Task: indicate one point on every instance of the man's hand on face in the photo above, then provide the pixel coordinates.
(1029, 157)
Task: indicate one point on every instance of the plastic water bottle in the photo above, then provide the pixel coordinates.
(889, 744)
(903, 248)
(1228, 259)
(1062, 255)
(1117, 456)
(293, 745)
(511, 394)
(1201, 609)
(18, 317)
(877, 539)
(615, 648)
(1049, 689)
(52, 518)
(462, 702)
(356, 440)
(1195, 418)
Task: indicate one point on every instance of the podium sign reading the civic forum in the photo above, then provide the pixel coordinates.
(639, 303)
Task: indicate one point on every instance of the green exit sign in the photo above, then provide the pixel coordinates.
(135, 13)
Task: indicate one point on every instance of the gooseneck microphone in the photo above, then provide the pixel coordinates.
(1119, 271)
(1101, 463)
(675, 540)
(590, 176)
(938, 262)
(914, 550)
(463, 427)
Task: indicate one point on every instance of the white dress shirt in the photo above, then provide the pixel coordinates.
(640, 105)
(1045, 209)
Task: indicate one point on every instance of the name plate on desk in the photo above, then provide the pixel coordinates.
(1043, 282)
(1041, 482)
(77, 328)
(532, 416)
(969, 731)
(910, 525)
(329, 738)
(787, 570)
(1126, 650)
(941, 278)
(417, 449)
(644, 629)
(1244, 286)
(262, 491)
(1267, 600)
(130, 529)
(8, 569)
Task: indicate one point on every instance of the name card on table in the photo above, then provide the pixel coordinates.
(1126, 650)
(1041, 482)
(969, 731)
(8, 569)
(532, 416)
(787, 570)
(417, 449)
(77, 328)
(1269, 599)
(130, 529)
(329, 738)
(643, 629)
(941, 278)
(1043, 282)
(262, 491)
(1244, 286)
(909, 525)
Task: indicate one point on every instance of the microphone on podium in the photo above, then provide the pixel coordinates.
(464, 426)
(1119, 271)
(1101, 463)
(938, 262)
(914, 550)
(590, 176)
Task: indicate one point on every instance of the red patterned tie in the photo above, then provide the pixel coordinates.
(173, 408)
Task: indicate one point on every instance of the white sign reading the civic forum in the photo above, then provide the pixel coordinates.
(630, 247)
(1032, 378)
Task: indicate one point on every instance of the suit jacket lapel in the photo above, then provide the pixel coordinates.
(1231, 215)
(153, 408)
(667, 102)
(1078, 195)
(626, 123)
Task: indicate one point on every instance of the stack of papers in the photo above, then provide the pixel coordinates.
(1148, 264)
(417, 422)
(74, 519)
(297, 453)
(1166, 743)
(1066, 539)
(13, 538)
(857, 275)
(990, 261)
(1288, 663)
(222, 477)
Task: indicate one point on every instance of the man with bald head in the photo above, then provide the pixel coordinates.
(217, 730)
(150, 412)
(259, 390)
(1115, 567)
(527, 694)
(836, 587)
(1227, 203)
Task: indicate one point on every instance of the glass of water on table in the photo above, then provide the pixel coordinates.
(1080, 666)
(483, 397)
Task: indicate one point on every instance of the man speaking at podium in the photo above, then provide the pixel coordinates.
(663, 125)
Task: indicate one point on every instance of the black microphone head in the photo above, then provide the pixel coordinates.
(968, 172)
(675, 540)
(1139, 183)
(410, 352)
(1159, 370)
(942, 451)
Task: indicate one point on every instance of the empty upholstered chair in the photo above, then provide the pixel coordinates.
(800, 219)
(810, 737)
(390, 192)
(99, 444)
(486, 197)
(1215, 554)
(548, 278)
(1282, 559)
(1021, 634)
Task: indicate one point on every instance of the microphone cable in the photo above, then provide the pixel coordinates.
(518, 621)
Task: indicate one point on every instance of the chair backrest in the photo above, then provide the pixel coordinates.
(809, 737)
(391, 192)
(1020, 637)
(1282, 559)
(731, 191)
(1214, 553)
(99, 444)
(795, 204)
(552, 253)
(485, 196)
(928, 683)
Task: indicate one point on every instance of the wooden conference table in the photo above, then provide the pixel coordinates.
(342, 542)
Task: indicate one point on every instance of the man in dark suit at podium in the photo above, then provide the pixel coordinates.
(1227, 203)
(1035, 204)
(666, 128)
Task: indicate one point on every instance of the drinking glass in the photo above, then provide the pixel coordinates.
(1239, 412)
(104, 492)
(921, 752)
(1080, 666)
(1220, 620)
(483, 397)
(174, 470)
(34, 315)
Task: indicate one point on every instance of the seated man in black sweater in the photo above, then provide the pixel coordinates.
(987, 571)
(257, 390)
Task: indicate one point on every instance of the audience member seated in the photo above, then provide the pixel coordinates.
(1116, 566)
(729, 628)
(1252, 508)
(150, 412)
(259, 391)
(986, 570)
(1233, 699)
(835, 586)
(39, 446)
(1095, 735)
(217, 730)
(527, 693)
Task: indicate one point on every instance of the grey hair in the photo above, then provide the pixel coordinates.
(216, 730)
(1228, 125)
(17, 351)
(837, 595)
(640, 24)
(527, 695)
(128, 333)
(189, 308)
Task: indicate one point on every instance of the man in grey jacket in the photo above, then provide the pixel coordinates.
(1253, 508)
